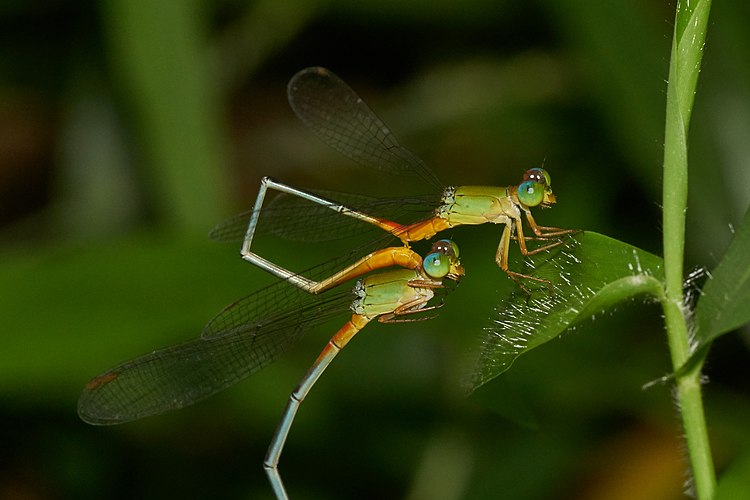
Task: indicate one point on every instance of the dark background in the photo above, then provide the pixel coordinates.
(128, 129)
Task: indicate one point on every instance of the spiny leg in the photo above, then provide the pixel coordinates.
(413, 307)
(546, 231)
(502, 257)
(548, 246)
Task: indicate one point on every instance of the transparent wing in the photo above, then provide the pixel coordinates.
(240, 340)
(299, 306)
(245, 337)
(297, 219)
(331, 109)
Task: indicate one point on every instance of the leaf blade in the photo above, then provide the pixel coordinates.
(590, 272)
(722, 306)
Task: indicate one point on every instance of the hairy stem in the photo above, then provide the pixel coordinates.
(687, 51)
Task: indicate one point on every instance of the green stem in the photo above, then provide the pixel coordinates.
(691, 402)
(687, 52)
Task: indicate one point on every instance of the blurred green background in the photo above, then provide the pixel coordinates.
(127, 129)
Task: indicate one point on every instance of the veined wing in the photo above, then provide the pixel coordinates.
(297, 219)
(282, 305)
(186, 373)
(331, 109)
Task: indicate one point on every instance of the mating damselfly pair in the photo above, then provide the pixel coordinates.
(252, 332)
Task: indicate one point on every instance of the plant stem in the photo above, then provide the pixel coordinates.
(687, 51)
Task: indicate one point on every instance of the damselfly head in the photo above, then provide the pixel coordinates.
(442, 261)
(536, 189)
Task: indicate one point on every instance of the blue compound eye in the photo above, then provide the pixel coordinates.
(531, 193)
(436, 265)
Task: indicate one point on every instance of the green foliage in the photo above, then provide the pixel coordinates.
(691, 22)
(136, 107)
(723, 304)
(590, 273)
(582, 290)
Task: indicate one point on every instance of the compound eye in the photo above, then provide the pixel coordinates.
(436, 265)
(446, 247)
(531, 193)
(537, 175)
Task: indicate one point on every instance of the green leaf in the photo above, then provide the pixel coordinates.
(590, 273)
(722, 306)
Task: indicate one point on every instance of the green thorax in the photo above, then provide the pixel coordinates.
(478, 205)
(383, 293)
